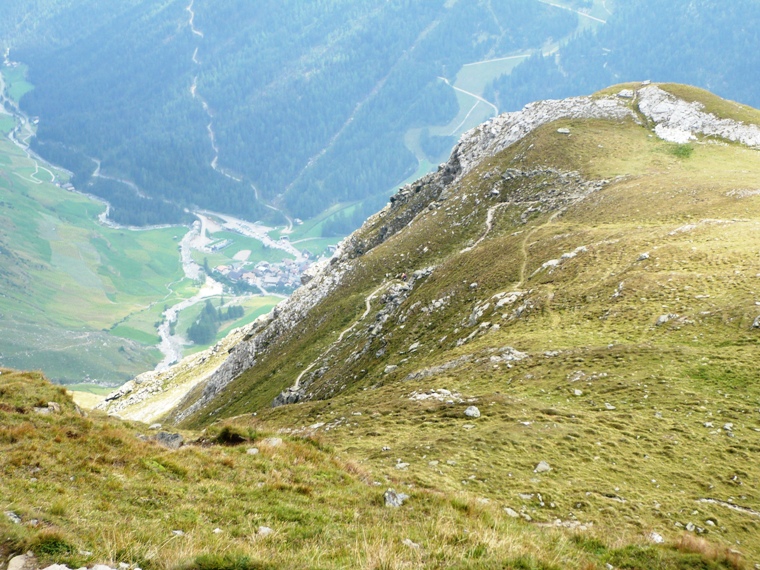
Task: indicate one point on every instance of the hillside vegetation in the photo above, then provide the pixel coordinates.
(550, 346)
(81, 489)
(591, 288)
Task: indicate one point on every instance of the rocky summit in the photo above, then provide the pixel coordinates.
(543, 355)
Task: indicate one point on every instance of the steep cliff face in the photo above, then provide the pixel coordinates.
(408, 287)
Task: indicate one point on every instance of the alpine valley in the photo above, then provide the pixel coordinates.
(541, 356)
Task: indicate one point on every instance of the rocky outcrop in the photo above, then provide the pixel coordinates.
(680, 121)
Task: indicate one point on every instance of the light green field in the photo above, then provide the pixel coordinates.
(15, 82)
(6, 124)
(66, 280)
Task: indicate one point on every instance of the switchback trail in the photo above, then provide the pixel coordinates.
(368, 307)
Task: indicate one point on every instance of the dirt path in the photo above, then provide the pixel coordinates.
(473, 95)
(489, 225)
(589, 16)
(368, 307)
(192, 19)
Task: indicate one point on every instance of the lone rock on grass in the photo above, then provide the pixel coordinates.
(472, 412)
(394, 499)
(542, 467)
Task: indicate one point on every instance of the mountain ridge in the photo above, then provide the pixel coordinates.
(544, 355)
(670, 118)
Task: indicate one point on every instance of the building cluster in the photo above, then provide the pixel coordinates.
(283, 277)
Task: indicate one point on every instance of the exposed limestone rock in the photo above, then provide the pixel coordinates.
(679, 121)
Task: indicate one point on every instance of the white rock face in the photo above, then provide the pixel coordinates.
(679, 121)
(504, 130)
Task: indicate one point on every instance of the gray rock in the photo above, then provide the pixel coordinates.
(563, 131)
(23, 562)
(394, 499)
(756, 323)
(691, 527)
(54, 407)
(13, 517)
(656, 538)
(174, 532)
(390, 368)
(154, 426)
(264, 531)
(59, 567)
(663, 319)
(511, 512)
(542, 467)
(644, 256)
(42, 411)
(626, 94)
(168, 440)
(609, 406)
(472, 412)
(271, 442)
(728, 427)
(408, 542)
(252, 450)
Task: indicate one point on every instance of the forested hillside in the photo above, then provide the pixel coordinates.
(309, 102)
(707, 43)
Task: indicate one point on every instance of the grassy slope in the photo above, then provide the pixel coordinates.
(88, 489)
(634, 451)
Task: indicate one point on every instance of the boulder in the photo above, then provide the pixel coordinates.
(168, 440)
(472, 412)
(23, 562)
(264, 531)
(542, 467)
(394, 499)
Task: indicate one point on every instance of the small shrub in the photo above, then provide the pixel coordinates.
(590, 544)
(230, 436)
(51, 543)
(58, 509)
(682, 150)
(227, 562)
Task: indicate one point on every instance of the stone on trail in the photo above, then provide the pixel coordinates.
(472, 412)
